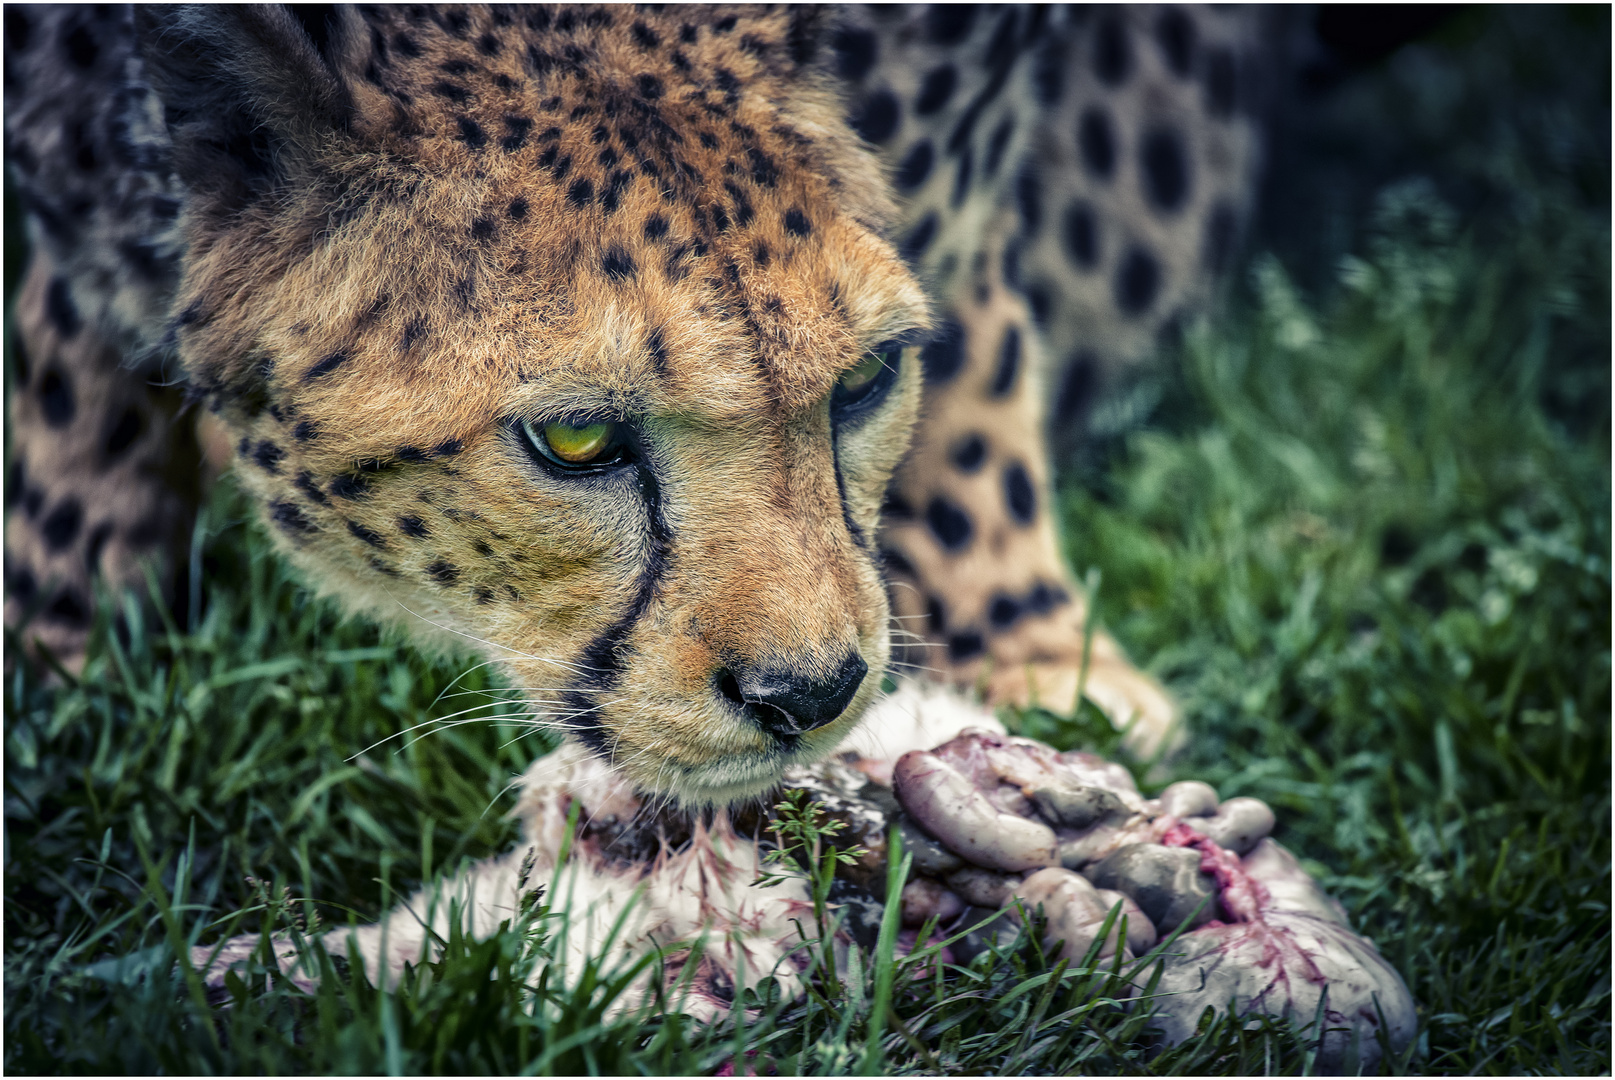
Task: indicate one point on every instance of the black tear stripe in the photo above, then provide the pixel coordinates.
(853, 527)
(603, 658)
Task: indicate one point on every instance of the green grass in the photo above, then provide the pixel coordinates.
(1365, 537)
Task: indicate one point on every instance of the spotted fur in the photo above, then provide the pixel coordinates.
(376, 245)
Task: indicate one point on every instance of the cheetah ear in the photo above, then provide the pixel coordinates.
(247, 95)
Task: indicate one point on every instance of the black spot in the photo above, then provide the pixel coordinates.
(944, 355)
(611, 191)
(759, 255)
(915, 166)
(709, 140)
(1220, 83)
(997, 143)
(650, 87)
(290, 517)
(1166, 169)
(367, 535)
(351, 485)
(935, 90)
(482, 228)
(471, 133)
(61, 527)
(488, 45)
(1175, 34)
(687, 33)
(143, 259)
(655, 227)
(305, 483)
(961, 178)
(949, 24)
(657, 348)
(80, 47)
(919, 238)
(165, 208)
(267, 456)
(1019, 495)
(949, 524)
(483, 595)
(411, 525)
(796, 222)
(60, 309)
(617, 263)
(1112, 55)
(96, 544)
(1138, 280)
(56, 398)
(1221, 229)
(764, 171)
(1009, 362)
(1081, 235)
(412, 454)
(580, 194)
(1048, 73)
(68, 609)
(645, 37)
(447, 448)
(724, 25)
(893, 505)
(936, 614)
(876, 117)
(124, 432)
(855, 52)
(328, 365)
(453, 91)
(306, 431)
(481, 547)
(966, 645)
(1096, 141)
(406, 45)
(516, 128)
(444, 573)
(1012, 265)
(1029, 199)
(517, 208)
(1003, 611)
(19, 31)
(1078, 389)
(968, 453)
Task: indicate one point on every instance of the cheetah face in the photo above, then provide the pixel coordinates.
(602, 368)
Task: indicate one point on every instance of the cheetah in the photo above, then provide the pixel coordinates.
(698, 364)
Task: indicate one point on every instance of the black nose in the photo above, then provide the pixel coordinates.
(786, 703)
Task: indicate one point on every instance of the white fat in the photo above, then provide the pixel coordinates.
(916, 716)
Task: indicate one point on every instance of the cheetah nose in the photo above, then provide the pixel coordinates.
(786, 703)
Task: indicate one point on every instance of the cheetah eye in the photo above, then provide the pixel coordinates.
(582, 448)
(864, 386)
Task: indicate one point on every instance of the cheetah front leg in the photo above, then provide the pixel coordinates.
(102, 477)
(979, 588)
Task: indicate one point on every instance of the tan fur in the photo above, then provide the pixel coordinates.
(399, 245)
(526, 323)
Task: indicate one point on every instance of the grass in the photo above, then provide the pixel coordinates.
(1365, 537)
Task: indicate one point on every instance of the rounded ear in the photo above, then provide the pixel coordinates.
(246, 94)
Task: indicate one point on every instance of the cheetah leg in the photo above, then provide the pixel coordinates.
(981, 593)
(104, 478)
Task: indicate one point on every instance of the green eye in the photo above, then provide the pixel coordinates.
(864, 374)
(863, 387)
(578, 445)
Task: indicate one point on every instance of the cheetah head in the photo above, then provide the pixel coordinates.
(569, 332)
